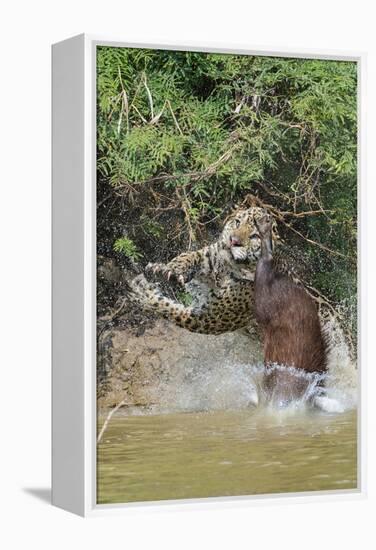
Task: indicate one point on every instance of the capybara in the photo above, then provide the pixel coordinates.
(291, 328)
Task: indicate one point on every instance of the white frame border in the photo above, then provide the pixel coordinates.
(88, 506)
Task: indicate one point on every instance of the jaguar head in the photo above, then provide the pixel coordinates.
(241, 237)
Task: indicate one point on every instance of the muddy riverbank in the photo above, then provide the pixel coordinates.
(148, 366)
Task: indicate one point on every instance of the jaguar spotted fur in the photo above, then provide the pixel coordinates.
(219, 277)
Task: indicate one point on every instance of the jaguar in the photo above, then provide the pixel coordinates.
(219, 277)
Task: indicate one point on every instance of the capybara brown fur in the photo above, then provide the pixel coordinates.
(291, 327)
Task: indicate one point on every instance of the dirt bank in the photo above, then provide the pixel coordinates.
(149, 367)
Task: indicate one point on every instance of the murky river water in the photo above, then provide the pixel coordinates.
(223, 453)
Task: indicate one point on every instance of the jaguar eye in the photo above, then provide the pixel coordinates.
(237, 223)
(253, 236)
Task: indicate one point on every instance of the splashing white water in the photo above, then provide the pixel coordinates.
(342, 377)
(239, 386)
(212, 385)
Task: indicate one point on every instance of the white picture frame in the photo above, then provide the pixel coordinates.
(74, 276)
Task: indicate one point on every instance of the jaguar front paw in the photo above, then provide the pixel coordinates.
(166, 272)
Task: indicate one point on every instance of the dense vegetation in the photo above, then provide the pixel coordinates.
(184, 136)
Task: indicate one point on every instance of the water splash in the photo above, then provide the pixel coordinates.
(239, 386)
(212, 385)
(342, 377)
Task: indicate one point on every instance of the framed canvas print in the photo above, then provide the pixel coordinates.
(206, 282)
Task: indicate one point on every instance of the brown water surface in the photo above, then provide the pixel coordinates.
(223, 453)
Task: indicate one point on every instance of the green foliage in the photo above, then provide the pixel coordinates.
(127, 247)
(185, 298)
(189, 134)
(151, 227)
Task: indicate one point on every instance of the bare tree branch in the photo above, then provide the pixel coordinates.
(108, 418)
(281, 217)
